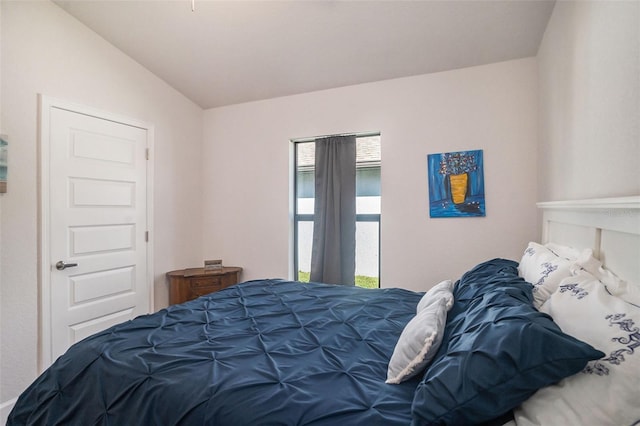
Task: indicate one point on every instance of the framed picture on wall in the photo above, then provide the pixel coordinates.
(456, 184)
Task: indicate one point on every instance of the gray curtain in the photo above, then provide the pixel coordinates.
(333, 254)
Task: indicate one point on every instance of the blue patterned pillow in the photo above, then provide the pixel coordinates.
(496, 352)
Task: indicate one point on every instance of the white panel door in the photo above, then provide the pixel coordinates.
(97, 211)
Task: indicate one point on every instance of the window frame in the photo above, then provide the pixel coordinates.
(309, 217)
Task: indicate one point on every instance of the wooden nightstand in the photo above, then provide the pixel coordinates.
(187, 284)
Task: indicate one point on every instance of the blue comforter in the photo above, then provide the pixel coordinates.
(277, 352)
(259, 353)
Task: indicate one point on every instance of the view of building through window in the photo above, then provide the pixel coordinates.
(367, 209)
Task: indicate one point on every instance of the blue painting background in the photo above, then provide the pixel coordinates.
(440, 204)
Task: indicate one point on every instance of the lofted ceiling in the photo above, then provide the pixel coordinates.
(228, 52)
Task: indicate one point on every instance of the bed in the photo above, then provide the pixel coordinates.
(552, 338)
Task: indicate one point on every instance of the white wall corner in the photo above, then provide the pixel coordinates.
(5, 409)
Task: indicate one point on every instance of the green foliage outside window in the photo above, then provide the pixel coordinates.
(361, 280)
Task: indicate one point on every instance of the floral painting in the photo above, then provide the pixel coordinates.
(456, 184)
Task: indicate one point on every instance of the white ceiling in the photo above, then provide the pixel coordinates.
(228, 52)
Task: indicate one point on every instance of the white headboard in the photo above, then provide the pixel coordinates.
(609, 226)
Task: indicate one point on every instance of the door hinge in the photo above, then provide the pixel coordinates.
(147, 153)
(146, 236)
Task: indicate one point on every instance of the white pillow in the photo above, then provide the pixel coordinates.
(544, 269)
(566, 252)
(607, 391)
(442, 290)
(418, 342)
(629, 292)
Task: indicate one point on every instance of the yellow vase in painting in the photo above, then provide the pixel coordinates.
(458, 187)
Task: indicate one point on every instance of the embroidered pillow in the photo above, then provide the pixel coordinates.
(563, 251)
(629, 292)
(418, 342)
(607, 391)
(442, 290)
(544, 269)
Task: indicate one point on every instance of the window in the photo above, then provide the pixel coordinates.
(367, 209)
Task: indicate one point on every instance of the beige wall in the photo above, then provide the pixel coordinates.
(46, 51)
(589, 70)
(494, 107)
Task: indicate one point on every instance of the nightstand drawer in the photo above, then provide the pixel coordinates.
(195, 283)
(202, 290)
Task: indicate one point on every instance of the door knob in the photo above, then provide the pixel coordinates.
(60, 265)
